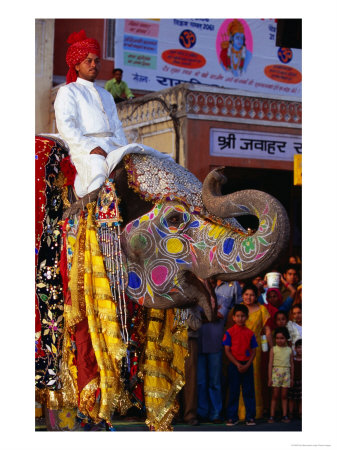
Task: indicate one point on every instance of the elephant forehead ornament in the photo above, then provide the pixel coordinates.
(159, 180)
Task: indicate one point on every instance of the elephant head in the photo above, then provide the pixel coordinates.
(178, 232)
(188, 232)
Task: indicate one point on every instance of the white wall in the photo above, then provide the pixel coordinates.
(44, 50)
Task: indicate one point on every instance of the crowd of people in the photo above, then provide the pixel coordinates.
(246, 363)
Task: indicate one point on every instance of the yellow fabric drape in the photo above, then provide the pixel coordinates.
(163, 368)
(76, 311)
(104, 327)
(91, 297)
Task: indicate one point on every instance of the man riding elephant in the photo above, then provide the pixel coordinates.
(87, 119)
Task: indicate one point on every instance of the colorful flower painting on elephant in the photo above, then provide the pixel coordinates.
(170, 239)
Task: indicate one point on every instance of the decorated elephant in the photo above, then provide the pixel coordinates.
(149, 237)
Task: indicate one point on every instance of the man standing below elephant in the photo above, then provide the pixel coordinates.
(190, 390)
(210, 352)
(228, 294)
(87, 119)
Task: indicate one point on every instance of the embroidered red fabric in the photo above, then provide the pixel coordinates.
(87, 368)
(42, 149)
(68, 170)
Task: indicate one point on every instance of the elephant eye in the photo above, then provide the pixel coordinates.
(174, 218)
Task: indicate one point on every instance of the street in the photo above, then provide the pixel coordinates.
(261, 425)
(137, 424)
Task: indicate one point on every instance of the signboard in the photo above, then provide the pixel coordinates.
(250, 144)
(230, 53)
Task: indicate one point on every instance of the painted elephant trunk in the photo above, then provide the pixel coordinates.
(270, 234)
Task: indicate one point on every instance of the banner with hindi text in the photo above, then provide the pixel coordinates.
(231, 53)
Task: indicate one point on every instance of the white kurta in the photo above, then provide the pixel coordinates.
(81, 109)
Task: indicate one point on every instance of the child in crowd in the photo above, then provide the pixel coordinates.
(280, 319)
(240, 348)
(295, 324)
(281, 372)
(295, 393)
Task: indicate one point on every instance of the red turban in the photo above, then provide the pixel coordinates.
(78, 51)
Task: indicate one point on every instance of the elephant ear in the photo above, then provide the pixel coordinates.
(131, 204)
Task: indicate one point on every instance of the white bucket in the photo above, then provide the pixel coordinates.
(273, 280)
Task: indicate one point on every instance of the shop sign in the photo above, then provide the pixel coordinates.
(255, 145)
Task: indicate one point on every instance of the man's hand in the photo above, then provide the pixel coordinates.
(99, 151)
(242, 368)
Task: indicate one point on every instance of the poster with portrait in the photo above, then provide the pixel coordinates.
(230, 53)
